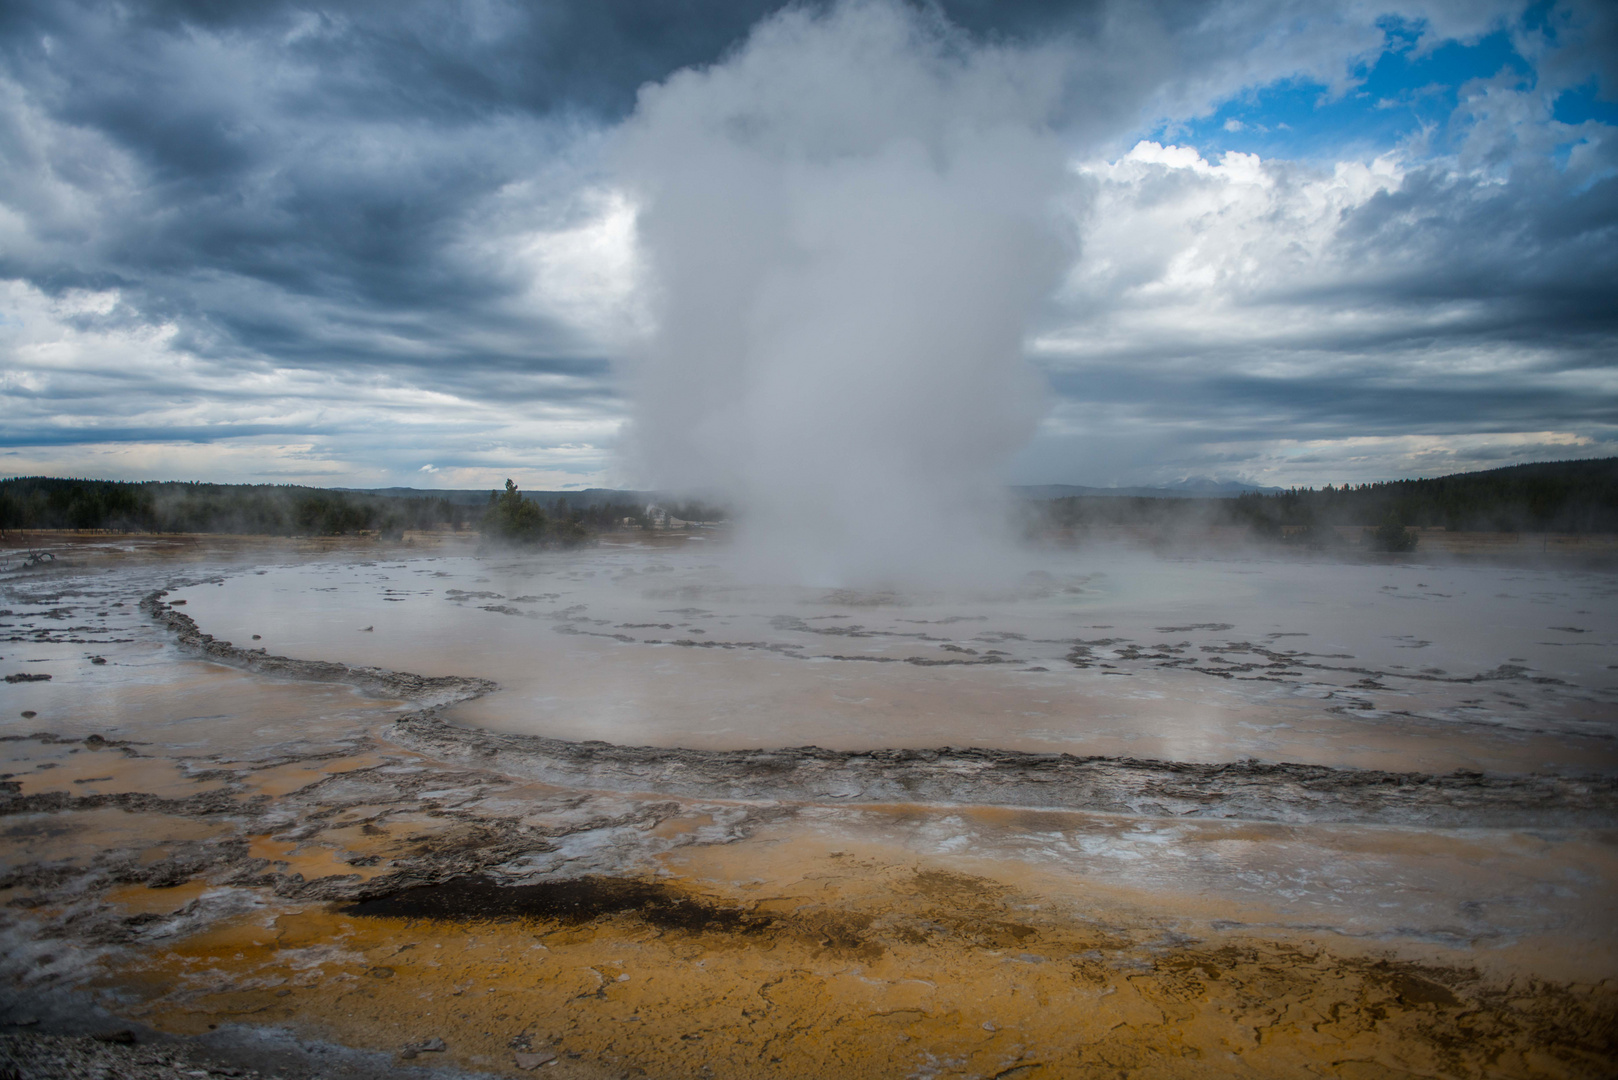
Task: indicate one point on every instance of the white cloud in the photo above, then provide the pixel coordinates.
(1184, 258)
(90, 389)
(573, 260)
(1326, 305)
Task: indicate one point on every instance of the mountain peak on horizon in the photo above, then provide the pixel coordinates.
(1211, 484)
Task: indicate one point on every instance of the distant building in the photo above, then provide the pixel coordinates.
(659, 518)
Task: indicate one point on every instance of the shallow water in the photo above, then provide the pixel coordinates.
(1398, 666)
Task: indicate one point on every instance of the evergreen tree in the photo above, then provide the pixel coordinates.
(512, 518)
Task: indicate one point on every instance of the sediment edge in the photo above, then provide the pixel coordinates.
(425, 689)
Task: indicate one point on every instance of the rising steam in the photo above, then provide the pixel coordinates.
(847, 224)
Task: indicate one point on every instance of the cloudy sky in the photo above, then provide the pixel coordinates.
(371, 244)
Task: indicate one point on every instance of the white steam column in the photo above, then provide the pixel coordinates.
(847, 225)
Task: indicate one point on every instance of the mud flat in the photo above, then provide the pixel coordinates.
(311, 863)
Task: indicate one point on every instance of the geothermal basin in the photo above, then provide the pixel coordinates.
(629, 810)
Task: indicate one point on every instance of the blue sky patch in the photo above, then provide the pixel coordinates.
(1580, 104)
(1401, 93)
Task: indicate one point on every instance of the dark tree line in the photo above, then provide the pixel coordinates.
(1560, 497)
(37, 502)
(1556, 496)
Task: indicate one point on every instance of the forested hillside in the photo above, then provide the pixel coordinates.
(1554, 496)
(1560, 497)
(38, 502)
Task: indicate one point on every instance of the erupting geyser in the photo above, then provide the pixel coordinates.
(847, 225)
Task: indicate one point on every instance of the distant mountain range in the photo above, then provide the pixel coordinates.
(1192, 487)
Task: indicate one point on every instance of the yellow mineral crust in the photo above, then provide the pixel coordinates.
(821, 963)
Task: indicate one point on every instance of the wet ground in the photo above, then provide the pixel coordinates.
(1260, 858)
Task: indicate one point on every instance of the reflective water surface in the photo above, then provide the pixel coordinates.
(1396, 666)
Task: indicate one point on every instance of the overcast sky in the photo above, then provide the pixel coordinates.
(371, 244)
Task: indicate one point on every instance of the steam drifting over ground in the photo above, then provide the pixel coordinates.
(848, 223)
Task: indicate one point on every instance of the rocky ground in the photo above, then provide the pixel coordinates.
(85, 1056)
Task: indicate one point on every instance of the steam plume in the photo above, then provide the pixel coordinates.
(847, 224)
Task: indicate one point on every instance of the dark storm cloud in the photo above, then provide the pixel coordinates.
(1538, 240)
(288, 184)
(220, 162)
(1246, 408)
(207, 151)
(405, 59)
(195, 434)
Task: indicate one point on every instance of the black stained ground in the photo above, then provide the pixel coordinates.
(572, 901)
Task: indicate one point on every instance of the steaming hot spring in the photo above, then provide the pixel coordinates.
(860, 789)
(638, 806)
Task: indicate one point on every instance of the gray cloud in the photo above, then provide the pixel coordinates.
(239, 221)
